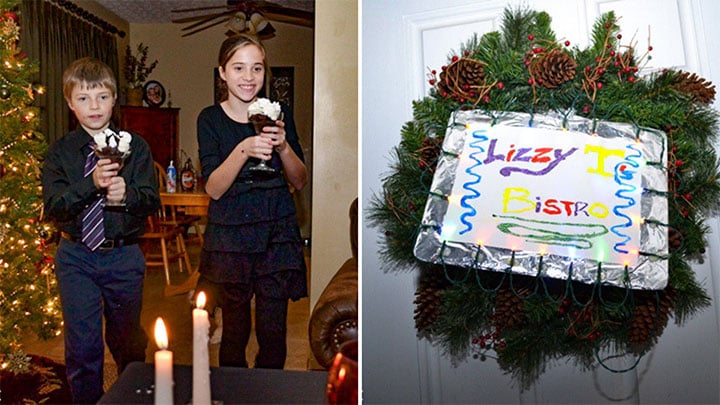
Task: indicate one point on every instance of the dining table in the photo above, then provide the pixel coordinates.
(188, 202)
(228, 385)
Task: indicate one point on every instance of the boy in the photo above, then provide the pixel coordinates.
(98, 274)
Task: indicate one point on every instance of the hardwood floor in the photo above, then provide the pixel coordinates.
(176, 312)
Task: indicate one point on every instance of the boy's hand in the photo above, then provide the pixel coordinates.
(116, 189)
(104, 172)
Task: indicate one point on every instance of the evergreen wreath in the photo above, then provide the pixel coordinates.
(525, 322)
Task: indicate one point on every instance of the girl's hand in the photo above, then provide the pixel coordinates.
(257, 146)
(275, 135)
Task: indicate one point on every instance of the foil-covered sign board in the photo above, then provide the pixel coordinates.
(566, 197)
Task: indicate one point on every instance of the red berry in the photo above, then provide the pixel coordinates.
(531, 37)
(486, 99)
(444, 93)
(650, 48)
(444, 67)
(432, 82)
(536, 50)
(586, 109)
(475, 341)
(530, 82)
(561, 310)
(619, 36)
(500, 85)
(678, 163)
(567, 43)
(631, 79)
(607, 25)
(434, 72)
(587, 68)
(612, 53)
(454, 58)
(599, 85)
(466, 53)
(688, 196)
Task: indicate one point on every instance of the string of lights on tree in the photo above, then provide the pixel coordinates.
(29, 304)
(525, 322)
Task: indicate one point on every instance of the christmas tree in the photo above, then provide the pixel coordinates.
(28, 298)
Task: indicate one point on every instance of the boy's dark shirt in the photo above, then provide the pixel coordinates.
(66, 192)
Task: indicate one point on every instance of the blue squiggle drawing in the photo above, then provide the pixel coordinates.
(626, 192)
(478, 138)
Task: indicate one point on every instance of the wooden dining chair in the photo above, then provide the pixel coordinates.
(172, 216)
(171, 241)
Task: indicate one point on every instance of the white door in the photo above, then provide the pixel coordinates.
(401, 39)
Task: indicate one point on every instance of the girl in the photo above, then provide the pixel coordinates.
(252, 241)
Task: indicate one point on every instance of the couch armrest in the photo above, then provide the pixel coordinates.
(334, 320)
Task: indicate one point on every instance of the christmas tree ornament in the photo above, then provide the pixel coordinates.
(4, 92)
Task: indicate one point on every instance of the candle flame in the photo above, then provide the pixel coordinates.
(161, 338)
(200, 303)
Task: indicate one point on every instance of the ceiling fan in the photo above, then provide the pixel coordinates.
(244, 16)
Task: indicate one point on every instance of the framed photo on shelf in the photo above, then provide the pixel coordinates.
(154, 93)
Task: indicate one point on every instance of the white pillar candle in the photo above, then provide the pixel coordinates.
(163, 366)
(201, 362)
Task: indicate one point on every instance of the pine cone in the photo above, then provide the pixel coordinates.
(429, 152)
(428, 297)
(553, 69)
(702, 90)
(461, 76)
(675, 238)
(650, 319)
(508, 308)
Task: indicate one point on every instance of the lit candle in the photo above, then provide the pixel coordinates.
(201, 362)
(163, 366)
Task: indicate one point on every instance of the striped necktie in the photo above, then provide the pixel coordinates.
(93, 231)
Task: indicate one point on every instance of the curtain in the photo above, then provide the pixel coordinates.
(53, 38)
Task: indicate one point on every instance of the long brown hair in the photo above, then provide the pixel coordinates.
(228, 49)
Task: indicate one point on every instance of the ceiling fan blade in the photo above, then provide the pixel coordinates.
(290, 19)
(207, 19)
(201, 17)
(204, 28)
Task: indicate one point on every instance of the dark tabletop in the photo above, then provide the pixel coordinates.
(229, 384)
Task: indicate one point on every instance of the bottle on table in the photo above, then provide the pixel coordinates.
(187, 177)
(171, 178)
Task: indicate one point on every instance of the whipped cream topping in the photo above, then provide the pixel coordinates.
(108, 138)
(263, 106)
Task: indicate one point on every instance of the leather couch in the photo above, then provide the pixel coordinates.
(334, 319)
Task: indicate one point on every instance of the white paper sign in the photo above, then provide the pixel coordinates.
(548, 191)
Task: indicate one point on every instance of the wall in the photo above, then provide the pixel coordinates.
(335, 182)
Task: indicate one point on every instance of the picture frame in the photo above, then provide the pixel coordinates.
(154, 93)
